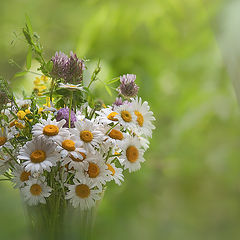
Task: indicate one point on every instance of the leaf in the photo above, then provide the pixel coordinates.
(113, 80)
(20, 74)
(108, 90)
(28, 24)
(29, 58)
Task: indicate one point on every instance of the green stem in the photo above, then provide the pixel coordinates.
(51, 90)
(10, 154)
(70, 110)
(112, 128)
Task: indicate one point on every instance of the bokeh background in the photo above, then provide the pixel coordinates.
(189, 186)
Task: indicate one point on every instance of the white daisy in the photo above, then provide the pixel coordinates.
(83, 194)
(106, 116)
(38, 155)
(95, 170)
(36, 191)
(5, 136)
(71, 86)
(126, 116)
(20, 176)
(75, 160)
(50, 129)
(144, 142)
(80, 116)
(144, 119)
(4, 163)
(132, 154)
(88, 134)
(68, 146)
(116, 173)
(113, 136)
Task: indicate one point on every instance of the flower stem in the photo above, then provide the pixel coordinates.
(51, 90)
(112, 128)
(70, 110)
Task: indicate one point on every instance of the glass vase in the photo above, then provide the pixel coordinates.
(58, 220)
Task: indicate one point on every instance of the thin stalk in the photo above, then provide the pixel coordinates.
(70, 110)
(51, 90)
(112, 128)
(10, 154)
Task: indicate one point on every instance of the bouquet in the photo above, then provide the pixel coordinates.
(60, 146)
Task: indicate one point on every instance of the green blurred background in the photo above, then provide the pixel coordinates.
(189, 187)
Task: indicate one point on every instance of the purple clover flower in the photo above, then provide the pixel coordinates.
(63, 113)
(119, 102)
(128, 87)
(68, 68)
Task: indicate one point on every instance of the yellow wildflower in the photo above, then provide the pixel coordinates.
(40, 110)
(21, 114)
(19, 125)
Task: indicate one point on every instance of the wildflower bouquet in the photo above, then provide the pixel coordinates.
(62, 155)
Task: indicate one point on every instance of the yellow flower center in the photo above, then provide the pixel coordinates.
(140, 118)
(82, 191)
(126, 116)
(112, 115)
(69, 145)
(115, 134)
(36, 189)
(38, 156)
(132, 154)
(3, 140)
(25, 176)
(111, 169)
(86, 136)
(51, 130)
(78, 159)
(93, 170)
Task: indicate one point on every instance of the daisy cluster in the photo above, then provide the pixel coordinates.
(83, 158)
(72, 146)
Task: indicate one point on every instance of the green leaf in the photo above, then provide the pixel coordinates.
(108, 90)
(28, 24)
(113, 80)
(29, 58)
(20, 74)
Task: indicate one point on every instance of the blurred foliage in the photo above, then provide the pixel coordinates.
(189, 186)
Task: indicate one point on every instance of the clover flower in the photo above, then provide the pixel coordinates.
(63, 113)
(119, 102)
(68, 68)
(128, 87)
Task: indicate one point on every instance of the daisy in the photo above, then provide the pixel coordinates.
(114, 136)
(83, 194)
(72, 154)
(145, 117)
(132, 154)
(20, 176)
(95, 170)
(5, 136)
(36, 191)
(38, 155)
(4, 163)
(71, 86)
(87, 133)
(106, 116)
(116, 173)
(126, 116)
(144, 142)
(50, 129)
